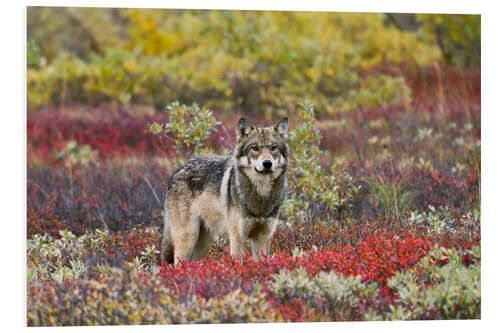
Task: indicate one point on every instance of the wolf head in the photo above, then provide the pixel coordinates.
(262, 151)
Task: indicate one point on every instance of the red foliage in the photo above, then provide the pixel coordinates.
(113, 134)
(376, 259)
(467, 260)
(94, 197)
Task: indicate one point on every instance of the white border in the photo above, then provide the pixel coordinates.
(13, 83)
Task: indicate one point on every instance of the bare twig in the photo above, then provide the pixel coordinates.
(152, 190)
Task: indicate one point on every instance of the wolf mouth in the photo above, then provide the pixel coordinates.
(264, 172)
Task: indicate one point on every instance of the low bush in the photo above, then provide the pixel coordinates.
(328, 296)
(131, 297)
(119, 135)
(383, 277)
(446, 284)
(96, 196)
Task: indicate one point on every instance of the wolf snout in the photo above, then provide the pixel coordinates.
(267, 164)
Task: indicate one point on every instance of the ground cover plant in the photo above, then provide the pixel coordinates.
(382, 218)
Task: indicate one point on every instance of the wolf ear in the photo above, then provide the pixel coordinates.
(244, 128)
(282, 127)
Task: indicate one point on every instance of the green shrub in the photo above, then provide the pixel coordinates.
(392, 197)
(187, 129)
(441, 220)
(314, 193)
(58, 260)
(376, 91)
(453, 291)
(47, 257)
(458, 37)
(75, 154)
(338, 297)
(33, 54)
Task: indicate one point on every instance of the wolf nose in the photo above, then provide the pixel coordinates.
(267, 164)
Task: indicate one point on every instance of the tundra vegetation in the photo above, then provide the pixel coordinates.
(382, 218)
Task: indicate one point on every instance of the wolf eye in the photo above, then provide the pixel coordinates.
(254, 148)
(273, 148)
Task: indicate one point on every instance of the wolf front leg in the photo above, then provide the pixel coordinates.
(261, 236)
(260, 246)
(235, 243)
(235, 230)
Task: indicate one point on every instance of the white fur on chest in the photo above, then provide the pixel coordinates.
(263, 184)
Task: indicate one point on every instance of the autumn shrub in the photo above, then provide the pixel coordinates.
(187, 129)
(134, 192)
(378, 91)
(256, 62)
(94, 197)
(392, 197)
(334, 297)
(370, 281)
(458, 37)
(392, 190)
(130, 297)
(314, 192)
(52, 252)
(443, 220)
(445, 284)
(327, 188)
(212, 278)
(120, 134)
(69, 257)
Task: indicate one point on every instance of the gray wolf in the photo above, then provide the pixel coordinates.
(237, 197)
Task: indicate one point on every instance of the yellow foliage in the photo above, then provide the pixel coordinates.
(228, 60)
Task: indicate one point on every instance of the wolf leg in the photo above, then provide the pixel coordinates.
(235, 232)
(260, 237)
(203, 243)
(235, 242)
(185, 239)
(167, 246)
(235, 245)
(260, 246)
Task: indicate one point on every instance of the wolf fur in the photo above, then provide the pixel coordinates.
(237, 197)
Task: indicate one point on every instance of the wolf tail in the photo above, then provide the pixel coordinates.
(167, 246)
